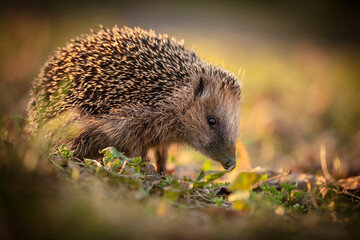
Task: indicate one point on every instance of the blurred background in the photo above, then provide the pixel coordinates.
(298, 61)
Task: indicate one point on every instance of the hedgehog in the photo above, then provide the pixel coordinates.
(137, 91)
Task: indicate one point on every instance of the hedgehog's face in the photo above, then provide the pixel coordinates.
(212, 120)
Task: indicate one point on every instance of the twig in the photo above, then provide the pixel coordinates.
(201, 196)
(122, 167)
(270, 179)
(345, 192)
(324, 164)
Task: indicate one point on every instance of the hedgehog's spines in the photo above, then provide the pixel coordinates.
(143, 66)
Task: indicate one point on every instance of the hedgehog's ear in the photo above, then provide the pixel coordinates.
(199, 89)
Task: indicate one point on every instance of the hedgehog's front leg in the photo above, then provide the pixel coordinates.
(147, 168)
(161, 155)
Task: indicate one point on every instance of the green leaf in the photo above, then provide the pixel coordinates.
(137, 160)
(209, 178)
(298, 194)
(215, 175)
(186, 179)
(273, 190)
(218, 201)
(113, 164)
(201, 175)
(111, 153)
(172, 193)
(263, 177)
(64, 152)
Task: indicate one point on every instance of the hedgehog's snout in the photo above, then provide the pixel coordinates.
(224, 154)
(229, 164)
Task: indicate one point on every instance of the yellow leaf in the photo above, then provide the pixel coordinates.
(239, 196)
(241, 205)
(244, 181)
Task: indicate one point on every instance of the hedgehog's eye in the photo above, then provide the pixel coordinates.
(211, 121)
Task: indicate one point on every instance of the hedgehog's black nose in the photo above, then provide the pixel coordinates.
(230, 164)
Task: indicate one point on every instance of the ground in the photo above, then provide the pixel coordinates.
(60, 196)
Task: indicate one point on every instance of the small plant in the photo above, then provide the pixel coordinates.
(286, 197)
(64, 152)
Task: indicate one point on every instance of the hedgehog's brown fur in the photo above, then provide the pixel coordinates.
(136, 90)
